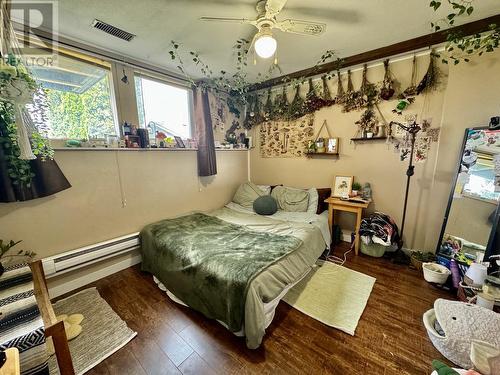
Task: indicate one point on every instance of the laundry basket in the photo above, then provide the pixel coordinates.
(461, 323)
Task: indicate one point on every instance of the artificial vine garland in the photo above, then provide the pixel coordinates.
(459, 47)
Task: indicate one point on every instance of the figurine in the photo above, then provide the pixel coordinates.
(366, 192)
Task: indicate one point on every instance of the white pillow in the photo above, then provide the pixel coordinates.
(265, 188)
(312, 206)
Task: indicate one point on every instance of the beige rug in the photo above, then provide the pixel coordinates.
(103, 332)
(334, 295)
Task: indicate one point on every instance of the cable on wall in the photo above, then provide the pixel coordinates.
(120, 181)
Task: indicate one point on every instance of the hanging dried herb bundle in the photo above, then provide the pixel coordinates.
(297, 107)
(268, 107)
(341, 96)
(327, 96)
(351, 96)
(431, 79)
(387, 90)
(369, 94)
(313, 101)
(280, 106)
(411, 91)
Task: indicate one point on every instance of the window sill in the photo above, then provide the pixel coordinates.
(172, 149)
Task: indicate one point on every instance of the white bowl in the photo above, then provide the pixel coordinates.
(435, 273)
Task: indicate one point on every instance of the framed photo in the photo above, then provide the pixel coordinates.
(332, 146)
(179, 143)
(342, 186)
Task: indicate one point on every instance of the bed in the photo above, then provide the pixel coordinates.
(173, 251)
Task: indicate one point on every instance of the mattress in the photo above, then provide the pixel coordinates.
(266, 289)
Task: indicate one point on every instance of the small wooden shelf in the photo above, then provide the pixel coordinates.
(367, 139)
(326, 154)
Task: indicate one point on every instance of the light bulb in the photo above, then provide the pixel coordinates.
(265, 46)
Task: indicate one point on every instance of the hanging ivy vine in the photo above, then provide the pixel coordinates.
(461, 47)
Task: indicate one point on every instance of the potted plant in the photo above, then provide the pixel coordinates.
(418, 258)
(5, 248)
(356, 187)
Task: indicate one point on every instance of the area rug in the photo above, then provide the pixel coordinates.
(103, 332)
(332, 294)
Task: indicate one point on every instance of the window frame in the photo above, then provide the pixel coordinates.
(153, 77)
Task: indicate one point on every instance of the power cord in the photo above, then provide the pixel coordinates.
(337, 260)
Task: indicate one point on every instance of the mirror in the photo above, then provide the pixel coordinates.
(471, 218)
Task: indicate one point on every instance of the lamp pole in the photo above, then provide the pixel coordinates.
(412, 129)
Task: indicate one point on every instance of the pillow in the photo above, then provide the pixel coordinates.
(290, 199)
(265, 188)
(246, 194)
(265, 205)
(312, 206)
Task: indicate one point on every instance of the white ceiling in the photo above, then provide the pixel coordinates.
(353, 26)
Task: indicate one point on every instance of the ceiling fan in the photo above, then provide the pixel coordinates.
(263, 42)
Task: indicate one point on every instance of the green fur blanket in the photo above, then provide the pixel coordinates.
(209, 263)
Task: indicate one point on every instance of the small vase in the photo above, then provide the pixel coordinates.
(369, 135)
(381, 131)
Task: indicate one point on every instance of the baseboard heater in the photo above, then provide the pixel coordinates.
(78, 258)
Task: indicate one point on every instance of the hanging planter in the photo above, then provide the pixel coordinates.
(430, 81)
(387, 90)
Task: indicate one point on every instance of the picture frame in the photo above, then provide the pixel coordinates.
(332, 145)
(342, 186)
(179, 143)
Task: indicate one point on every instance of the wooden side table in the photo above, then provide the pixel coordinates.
(347, 206)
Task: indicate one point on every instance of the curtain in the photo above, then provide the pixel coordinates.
(207, 164)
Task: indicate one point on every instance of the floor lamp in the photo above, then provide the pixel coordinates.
(412, 129)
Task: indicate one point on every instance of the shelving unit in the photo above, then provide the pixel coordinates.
(367, 139)
(322, 154)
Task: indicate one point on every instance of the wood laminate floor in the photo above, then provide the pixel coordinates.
(390, 338)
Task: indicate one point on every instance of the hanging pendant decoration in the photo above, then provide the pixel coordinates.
(268, 107)
(411, 91)
(387, 91)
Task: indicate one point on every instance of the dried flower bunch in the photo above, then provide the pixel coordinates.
(387, 90)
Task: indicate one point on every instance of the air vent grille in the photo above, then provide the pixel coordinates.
(112, 30)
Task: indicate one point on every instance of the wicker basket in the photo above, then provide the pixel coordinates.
(416, 263)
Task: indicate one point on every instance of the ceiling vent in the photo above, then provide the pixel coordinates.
(112, 30)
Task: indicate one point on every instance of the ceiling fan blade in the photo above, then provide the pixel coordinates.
(273, 7)
(301, 27)
(233, 20)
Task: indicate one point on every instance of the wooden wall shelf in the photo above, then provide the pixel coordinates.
(367, 139)
(321, 154)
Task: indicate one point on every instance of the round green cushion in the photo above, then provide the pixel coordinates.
(265, 205)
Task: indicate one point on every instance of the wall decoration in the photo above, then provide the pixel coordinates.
(422, 147)
(351, 96)
(431, 78)
(341, 95)
(433, 134)
(387, 90)
(342, 186)
(286, 139)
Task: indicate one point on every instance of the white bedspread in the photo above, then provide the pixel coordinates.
(320, 221)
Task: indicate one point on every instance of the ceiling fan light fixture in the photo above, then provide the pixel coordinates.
(265, 45)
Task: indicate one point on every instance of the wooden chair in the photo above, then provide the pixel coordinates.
(53, 328)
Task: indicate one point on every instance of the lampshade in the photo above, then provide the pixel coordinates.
(265, 45)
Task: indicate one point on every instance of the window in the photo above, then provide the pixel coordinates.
(75, 100)
(163, 108)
